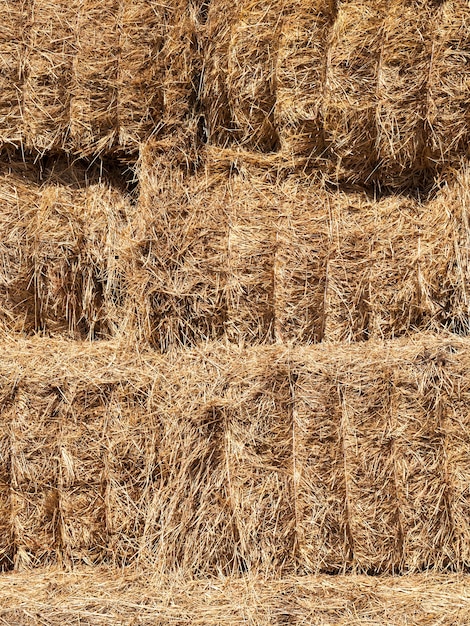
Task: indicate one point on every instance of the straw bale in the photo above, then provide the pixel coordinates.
(220, 128)
(448, 115)
(422, 481)
(300, 77)
(374, 517)
(62, 253)
(141, 71)
(182, 63)
(6, 528)
(456, 429)
(180, 257)
(446, 271)
(374, 283)
(251, 73)
(300, 263)
(34, 427)
(258, 422)
(12, 19)
(194, 527)
(320, 483)
(252, 214)
(93, 110)
(18, 189)
(83, 453)
(78, 242)
(350, 106)
(132, 473)
(406, 54)
(48, 71)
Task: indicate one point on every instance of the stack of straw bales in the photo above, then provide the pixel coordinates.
(281, 384)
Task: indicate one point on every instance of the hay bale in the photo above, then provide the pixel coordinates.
(218, 121)
(93, 110)
(455, 432)
(82, 486)
(34, 427)
(193, 523)
(251, 73)
(448, 115)
(377, 245)
(402, 132)
(182, 65)
(63, 262)
(180, 257)
(350, 99)
(48, 69)
(252, 214)
(300, 263)
(258, 426)
(132, 474)
(12, 19)
(447, 268)
(141, 71)
(370, 459)
(321, 503)
(18, 189)
(300, 75)
(6, 528)
(422, 482)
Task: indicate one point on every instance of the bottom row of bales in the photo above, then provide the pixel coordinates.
(227, 254)
(229, 460)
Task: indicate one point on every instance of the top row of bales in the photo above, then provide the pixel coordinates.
(375, 91)
(370, 91)
(91, 77)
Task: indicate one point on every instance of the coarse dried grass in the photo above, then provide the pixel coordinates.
(214, 93)
(372, 275)
(50, 50)
(180, 254)
(253, 215)
(251, 73)
(224, 460)
(403, 87)
(258, 433)
(319, 473)
(300, 264)
(448, 117)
